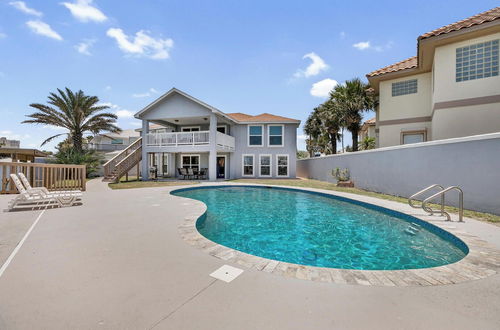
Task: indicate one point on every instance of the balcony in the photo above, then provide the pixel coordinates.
(104, 147)
(180, 139)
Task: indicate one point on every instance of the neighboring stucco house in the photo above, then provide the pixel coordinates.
(450, 89)
(113, 141)
(180, 131)
(367, 129)
(6, 143)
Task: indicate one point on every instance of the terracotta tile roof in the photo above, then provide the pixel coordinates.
(487, 16)
(403, 65)
(262, 118)
(412, 62)
(370, 121)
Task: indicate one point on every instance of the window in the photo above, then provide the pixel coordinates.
(191, 161)
(413, 137)
(116, 141)
(282, 165)
(404, 87)
(247, 165)
(222, 129)
(275, 133)
(191, 129)
(255, 137)
(165, 164)
(265, 165)
(477, 61)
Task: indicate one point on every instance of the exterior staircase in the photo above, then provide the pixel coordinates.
(122, 163)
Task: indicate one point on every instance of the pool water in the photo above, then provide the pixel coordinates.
(320, 230)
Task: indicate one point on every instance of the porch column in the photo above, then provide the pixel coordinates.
(212, 158)
(144, 162)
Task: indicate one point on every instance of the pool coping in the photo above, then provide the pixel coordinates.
(482, 261)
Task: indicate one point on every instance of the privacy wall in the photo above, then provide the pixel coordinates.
(472, 163)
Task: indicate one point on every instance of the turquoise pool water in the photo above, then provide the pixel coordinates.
(320, 230)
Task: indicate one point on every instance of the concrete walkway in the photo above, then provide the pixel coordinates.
(118, 262)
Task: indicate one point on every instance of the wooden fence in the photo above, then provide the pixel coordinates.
(51, 176)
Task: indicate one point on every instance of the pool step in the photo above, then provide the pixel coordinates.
(413, 229)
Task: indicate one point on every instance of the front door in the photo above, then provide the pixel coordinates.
(221, 167)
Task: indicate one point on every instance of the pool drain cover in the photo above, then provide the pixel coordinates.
(227, 273)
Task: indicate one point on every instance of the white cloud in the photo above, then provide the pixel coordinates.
(84, 12)
(21, 5)
(301, 137)
(43, 29)
(84, 46)
(124, 113)
(107, 88)
(149, 93)
(314, 68)
(2, 35)
(342, 35)
(362, 45)
(136, 123)
(55, 128)
(13, 136)
(322, 88)
(121, 113)
(142, 44)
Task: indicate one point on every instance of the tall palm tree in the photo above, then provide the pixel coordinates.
(313, 129)
(78, 113)
(353, 98)
(331, 115)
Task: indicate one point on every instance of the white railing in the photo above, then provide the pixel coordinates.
(174, 139)
(225, 141)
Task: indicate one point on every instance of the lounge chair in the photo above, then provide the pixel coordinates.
(38, 197)
(29, 188)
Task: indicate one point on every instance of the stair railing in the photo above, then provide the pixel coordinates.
(442, 193)
(411, 200)
(110, 165)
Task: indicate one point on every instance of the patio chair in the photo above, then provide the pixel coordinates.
(182, 172)
(191, 173)
(203, 173)
(29, 188)
(38, 197)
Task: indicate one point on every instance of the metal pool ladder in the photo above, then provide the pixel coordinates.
(441, 193)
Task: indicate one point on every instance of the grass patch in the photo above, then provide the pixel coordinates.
(307, 183)
(134, 183)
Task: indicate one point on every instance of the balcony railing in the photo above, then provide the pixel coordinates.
(177, 139)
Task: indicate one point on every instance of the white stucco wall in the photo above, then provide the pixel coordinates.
(390, 135)
(471, 163)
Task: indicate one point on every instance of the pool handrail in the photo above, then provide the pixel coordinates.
(427, 209)
(460, 202)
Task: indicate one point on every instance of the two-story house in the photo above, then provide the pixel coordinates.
(190, 134)
(450, 89)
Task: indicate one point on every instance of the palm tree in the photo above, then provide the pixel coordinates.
(78, 113)
(331, 116)
(313, 128)
(353, 98)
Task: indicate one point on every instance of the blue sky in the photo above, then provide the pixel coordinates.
(239, 56)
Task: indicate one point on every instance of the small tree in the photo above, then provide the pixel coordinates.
(368, 143)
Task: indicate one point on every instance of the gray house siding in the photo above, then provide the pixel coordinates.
(240, 133)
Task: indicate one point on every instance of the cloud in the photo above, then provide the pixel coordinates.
(84, 12)
(362, 45)
(121, 113)
(149, 93)
(12, 136)
(136, 123)
(21, 5)
(2, 35)
(84, 46)
(342, 35)
(301, 137)
(43, 29)
(314, 68)
(55, 128)
(322, 88)
(107, 88)
(142, 44)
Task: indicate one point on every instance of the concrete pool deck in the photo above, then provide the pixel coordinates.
(119, 262)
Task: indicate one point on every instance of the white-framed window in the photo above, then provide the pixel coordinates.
(255, 135)
(117, 141)
(412, 137)
(222, 129)
(190, 129)
(282, 165)
(265, 165)
(190, 161)
(404, 87)
(276, 135)
(477, 61)
(247, 165)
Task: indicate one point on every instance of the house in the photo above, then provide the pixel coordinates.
(6, 143)
(367, 129)
(181, 132)
(450, 89)
(113, 141)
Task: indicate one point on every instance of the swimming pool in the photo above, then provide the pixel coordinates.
(323, 230)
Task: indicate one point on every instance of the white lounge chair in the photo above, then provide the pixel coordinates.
(37, 197)
(29, 188)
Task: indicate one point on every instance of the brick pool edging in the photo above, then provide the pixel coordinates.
(483, 259)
